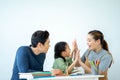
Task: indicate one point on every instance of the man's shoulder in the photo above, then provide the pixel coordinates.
(23, 48)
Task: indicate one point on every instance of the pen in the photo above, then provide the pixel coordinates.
(97, 63)
(93, 64)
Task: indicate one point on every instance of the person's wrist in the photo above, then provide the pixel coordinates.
(80, 61)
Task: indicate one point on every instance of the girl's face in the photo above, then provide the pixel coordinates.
(67, 51)
(92, 43)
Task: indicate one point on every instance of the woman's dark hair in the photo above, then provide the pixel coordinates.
(99, 35)
(39, 36)
(58, 49)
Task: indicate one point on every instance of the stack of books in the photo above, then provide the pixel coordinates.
(33, 75)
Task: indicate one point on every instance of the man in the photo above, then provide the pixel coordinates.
(31, 58)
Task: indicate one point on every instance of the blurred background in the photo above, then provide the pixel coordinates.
(66, 20)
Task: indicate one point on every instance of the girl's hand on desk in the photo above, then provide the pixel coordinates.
(57, 72)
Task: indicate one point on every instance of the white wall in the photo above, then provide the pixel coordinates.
(64, 19)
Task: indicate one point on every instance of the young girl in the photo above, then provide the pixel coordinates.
(97, 59)
(63, 58)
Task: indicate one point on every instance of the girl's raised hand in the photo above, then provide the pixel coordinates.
(77, 55)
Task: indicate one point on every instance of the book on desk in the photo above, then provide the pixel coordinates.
(47, 75)
(32, 75)
(44, 74)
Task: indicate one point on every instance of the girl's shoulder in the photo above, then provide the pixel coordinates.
(59, 59)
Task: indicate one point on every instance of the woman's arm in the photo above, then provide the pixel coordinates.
(84, 66)
(105, 64)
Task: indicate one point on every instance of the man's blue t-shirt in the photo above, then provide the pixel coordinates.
(27, 61)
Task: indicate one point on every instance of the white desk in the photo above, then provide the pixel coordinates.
(79, 77)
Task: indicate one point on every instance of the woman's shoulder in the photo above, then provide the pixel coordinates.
(106, 54)
(87, 52)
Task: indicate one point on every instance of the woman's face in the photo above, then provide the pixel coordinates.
(92, 43)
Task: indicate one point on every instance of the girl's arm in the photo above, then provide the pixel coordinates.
(69, 69)
(74, 49)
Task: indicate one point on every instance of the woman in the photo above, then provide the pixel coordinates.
(97, 59)
(63, 58)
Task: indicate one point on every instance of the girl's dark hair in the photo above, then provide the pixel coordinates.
(39, 36)
(58, 49)
(99, 35)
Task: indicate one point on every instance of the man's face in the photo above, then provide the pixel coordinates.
(46, 46)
